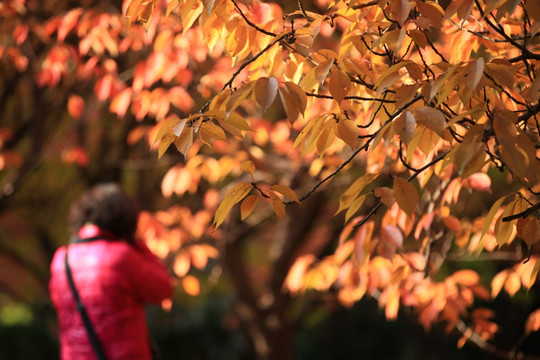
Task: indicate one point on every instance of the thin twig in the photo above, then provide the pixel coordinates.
(422, 169)
(352, 97)
(241, 67)
(251, 23)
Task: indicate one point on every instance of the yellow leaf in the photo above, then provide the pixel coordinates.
(531, 231)
(238, 96)
(248, 166)
(339, 84)
(247, 206)
(325, 137)
(489, 218)
(505, 230)
(164, 144)
(238, 122)
(354, 191)
(406, 195)
(347, 131)
(518, 151)
(220, 100)
(534, 274)
(164, 127)
(321, 70)
(233, 196)
(287, 191)
(213, 130)
(265, 91)
(353, 208)
(184, 141)
(497, 283)
(277, 205)
(389, 77)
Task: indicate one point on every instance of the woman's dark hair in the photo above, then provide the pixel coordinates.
(108, 207)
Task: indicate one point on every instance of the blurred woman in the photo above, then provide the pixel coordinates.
(114, 276)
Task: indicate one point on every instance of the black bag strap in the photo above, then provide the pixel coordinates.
(96, 345)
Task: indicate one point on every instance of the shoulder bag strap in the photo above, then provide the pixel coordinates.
(96, 345)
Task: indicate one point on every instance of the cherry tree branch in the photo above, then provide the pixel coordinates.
(250, 23)
(482, 344)
(357, 151)
(361, 98)
(243, 66)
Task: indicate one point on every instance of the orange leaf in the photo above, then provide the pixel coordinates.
(191, 285)
(406, 195)
(75, 106)
(339, 84)
(347, 131)
(400, 9)
(386, 195)
(247, 206)
(512, 284)
(277, 205)
(466, 277)
(120, 103)
(533, 322)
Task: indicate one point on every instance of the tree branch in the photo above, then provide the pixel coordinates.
(522, 214)
(352, 97)
(251, 23)
(422, 169)
(241, 67)
(477, 340)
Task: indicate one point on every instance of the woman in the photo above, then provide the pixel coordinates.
(114, 275)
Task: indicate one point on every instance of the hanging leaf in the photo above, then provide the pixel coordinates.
(233, 196)
(354, 191)
(277, 205)
(247, 206)
(265, 91)
(404, 126)
(287, 191)
(400, 10)
(406, 195)
(339, 84)
(431, 118)
(321, 70)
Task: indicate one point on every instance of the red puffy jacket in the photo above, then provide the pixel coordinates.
(114, 280)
